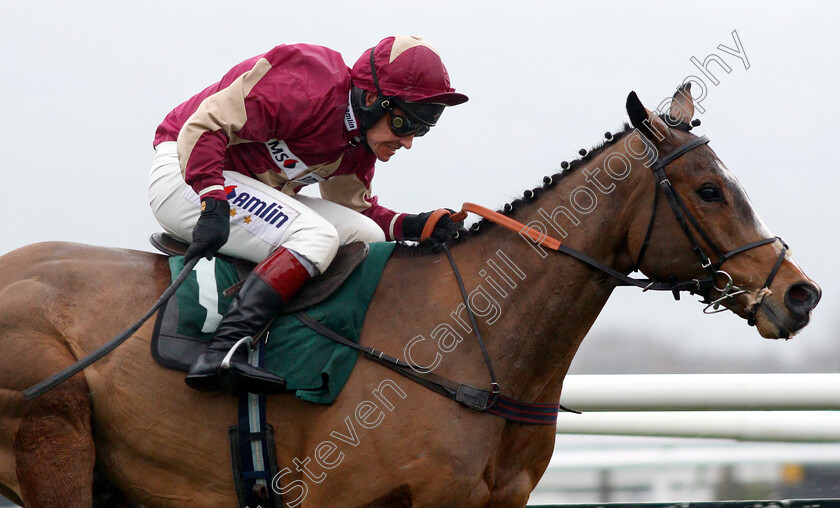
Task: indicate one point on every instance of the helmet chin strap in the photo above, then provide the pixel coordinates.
(368, 115)
(384, 101)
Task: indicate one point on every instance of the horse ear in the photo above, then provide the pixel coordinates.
(682, 107)
(647, 123)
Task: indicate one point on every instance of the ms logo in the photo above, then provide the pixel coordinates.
(288, 162)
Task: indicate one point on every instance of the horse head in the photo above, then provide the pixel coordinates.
(707, 230)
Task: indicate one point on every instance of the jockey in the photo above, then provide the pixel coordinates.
(230, 161)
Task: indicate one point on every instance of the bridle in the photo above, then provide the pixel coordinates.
(683, 216)
(681, 213)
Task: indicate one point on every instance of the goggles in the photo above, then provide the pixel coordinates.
(417, 118)
(402, 126)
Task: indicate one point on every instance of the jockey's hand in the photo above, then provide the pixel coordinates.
(445, 228)
(211, 231)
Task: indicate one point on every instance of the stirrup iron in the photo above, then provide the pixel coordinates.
(225, 365)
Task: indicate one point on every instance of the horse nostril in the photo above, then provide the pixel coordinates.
(802, 297)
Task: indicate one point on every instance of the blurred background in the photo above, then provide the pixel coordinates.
(85, 84)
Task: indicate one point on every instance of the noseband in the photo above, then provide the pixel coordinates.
(684, 216)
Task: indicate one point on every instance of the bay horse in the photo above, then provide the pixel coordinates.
(385, 441)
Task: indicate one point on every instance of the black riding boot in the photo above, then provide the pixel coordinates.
(258, 302)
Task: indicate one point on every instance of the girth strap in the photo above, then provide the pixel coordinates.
(469, 396)
(252, 451)
(430, 380)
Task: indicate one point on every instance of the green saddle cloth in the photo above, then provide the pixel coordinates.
(314, 367)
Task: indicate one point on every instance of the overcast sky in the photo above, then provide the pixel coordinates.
(85, 84)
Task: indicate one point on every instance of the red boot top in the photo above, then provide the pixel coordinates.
(283, 272)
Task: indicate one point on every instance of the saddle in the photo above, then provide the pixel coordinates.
(176, 351)
(316, 290)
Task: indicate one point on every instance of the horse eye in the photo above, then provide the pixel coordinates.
(710, 193)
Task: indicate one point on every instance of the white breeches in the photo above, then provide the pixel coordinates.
(262, 217)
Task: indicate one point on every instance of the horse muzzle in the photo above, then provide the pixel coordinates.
(801, 298)
(783, 318)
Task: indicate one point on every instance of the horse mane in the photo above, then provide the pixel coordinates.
(528, 196)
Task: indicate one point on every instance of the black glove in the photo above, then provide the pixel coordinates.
(211, 231)
(445, 228)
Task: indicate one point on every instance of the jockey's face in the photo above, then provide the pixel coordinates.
(381, 140)
(385, 143)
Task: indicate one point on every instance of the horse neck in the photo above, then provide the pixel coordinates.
(542, 320)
